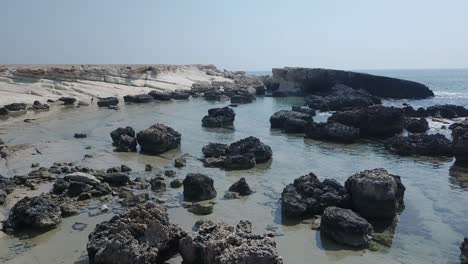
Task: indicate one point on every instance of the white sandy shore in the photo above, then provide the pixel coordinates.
(27, 83)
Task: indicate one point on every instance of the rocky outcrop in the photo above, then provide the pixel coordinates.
(138, 99)
(290, 121)
(308, 196)
(309, 81)
(420, 144)
(376, 194)
(219, 117)
(342, 97)
(447, 111)
(198, 187)
(417, 125)
(375, 121)
(142, 235)
(158, 139)
(219, 243)
(346, 227)
(241, 187)
(332, 131)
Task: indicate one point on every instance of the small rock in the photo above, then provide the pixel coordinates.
(176, 183)
(35, 165)
(170, 173)
(241, 187)
(148, 167)
(80, 135)
(201, 208)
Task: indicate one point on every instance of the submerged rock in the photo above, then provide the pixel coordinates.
(198, 187)
(332, 131)
(219, 243)
(421, 144)
(80, 135)
(219, 117)
(181, 95)
(142, 235)
(417, 125)
(203, 208)
(303, 109)
(346, 227)
(181, 161)
(376, 194)
(241, 187)
(39, 213)
(108, 101)
(158, 139)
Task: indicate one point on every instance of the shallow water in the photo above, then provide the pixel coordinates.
(430, 229)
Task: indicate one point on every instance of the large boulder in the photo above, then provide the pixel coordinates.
(142, 235)
(376, 194)
(158, 139)
(310, 81)
(214, 150)
(290, 121)
(417, 125)
(219, 117)
(346, 227)
(138, 99)
(375, 121)
(308, 196)
(332, 131)
(198, 187)
(219, 243)
(253, 145)
(39, 213)
(117, 133)
(342, 97)
(108, 101)
(420, 144)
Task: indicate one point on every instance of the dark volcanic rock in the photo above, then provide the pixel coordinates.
(39, 213)
(158, 184)
(37, 106)
(219, 243)
(16, 107)
(261, 151)
(290, 121)
(460, 145)
(306, 80)
(116, 134)
(142, 235)
(116, 178)
(80, 135)
(214, 150)
(420, 144)
(181, 161)
(239, 162)
(303, 109)
(346, 227)
(332, 131)
(342, 97)
(198, 187)
(308, 196)
(180, 95)
(126, 143)
(375, 121)
(67, 100)
(108, 101)
(417, 125)
(138, 99)
(447, 111)
(464, 251)
(158, 139)
(242, 99)
(376, 194)
(162, 95)
(241, 187)
(219, 117)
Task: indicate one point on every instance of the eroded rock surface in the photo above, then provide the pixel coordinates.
(158, 139)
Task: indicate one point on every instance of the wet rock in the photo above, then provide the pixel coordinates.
(346, 227)
(67, 100)
(231, 195)
(308, 196)
(37, 106)
(3, 111)
(241, 187)
(60, 186)
(219, 243)
(138, 99)
(460, 145)
(409, 111)
(108, 101)
(84, 196)
(162, 95)
(148, 167)
(35, 165)
(39, 213)
(235, 162)
(181, 161)
(303, 109)
(68, 210)
(376, 194)
(375, 121)
(447, 111)
(116, 179)
(332, 131)
(158, 184)
(176, 183)
(125, 168)
(113, 169)
(214, 150)
(82, 177)
(80, 135)
(2, 144)
(251, 145)
(219, 117)
(116, 134)
(180, 95)
(158, 139)
(201, 208)
(417, 125)
(170, 173)
(142, 235)
(219, 162)
(420, 144)
(242, 99)
(16, 107)
(77, 188)
(464, 251)
(126, 144)
(198, 187)
(290, 121)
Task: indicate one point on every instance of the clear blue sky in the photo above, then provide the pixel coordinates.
(238, 34)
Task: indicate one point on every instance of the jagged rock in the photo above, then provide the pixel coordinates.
(417, 125)
(158, 139)
(158, 184)
(138, 99)
(108, 101)
(376, 194)
(116, 178)
(420, 144)
(214, 150)
(219, 117)
(375, 121)
(261, 151)
(16, 107)
(332, 131)
(162, 95)
(142, 235)
(219, 243)
(342, 97)
(305, 80)
(308, 196)
(116, 134)
(198, 187)
(39, 213)
(290, 121)
(67, 100)
(126, 143)
(447, 111)
(241, 187)
(346, 227)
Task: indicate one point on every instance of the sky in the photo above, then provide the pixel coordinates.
(238, 34)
